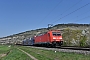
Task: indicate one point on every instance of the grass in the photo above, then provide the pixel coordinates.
(36, 53)
(40, 54)
(4, 48)
(51, 55)
(16, 54)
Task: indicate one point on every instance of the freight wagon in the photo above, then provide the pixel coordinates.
(28, 42)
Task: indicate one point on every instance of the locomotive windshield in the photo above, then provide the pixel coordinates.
(56, 33)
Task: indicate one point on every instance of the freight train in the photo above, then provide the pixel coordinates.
(51, 38)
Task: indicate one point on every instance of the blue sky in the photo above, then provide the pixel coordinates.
(22, 15)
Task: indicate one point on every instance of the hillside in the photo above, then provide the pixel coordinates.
(27, 34)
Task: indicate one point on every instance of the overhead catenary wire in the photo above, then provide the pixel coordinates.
(51, 11)
(71, 12)
(82, 18)
(81, 14)
(69, 8)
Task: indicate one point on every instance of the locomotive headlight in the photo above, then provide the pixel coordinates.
(54, 38)
(60, 38)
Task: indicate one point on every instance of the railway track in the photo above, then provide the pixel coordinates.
(76, 48)
(85, 51)
(71, 48)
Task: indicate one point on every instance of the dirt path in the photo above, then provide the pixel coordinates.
(28, 54)
(2, 55)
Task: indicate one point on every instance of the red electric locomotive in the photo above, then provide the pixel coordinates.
(51, 38)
